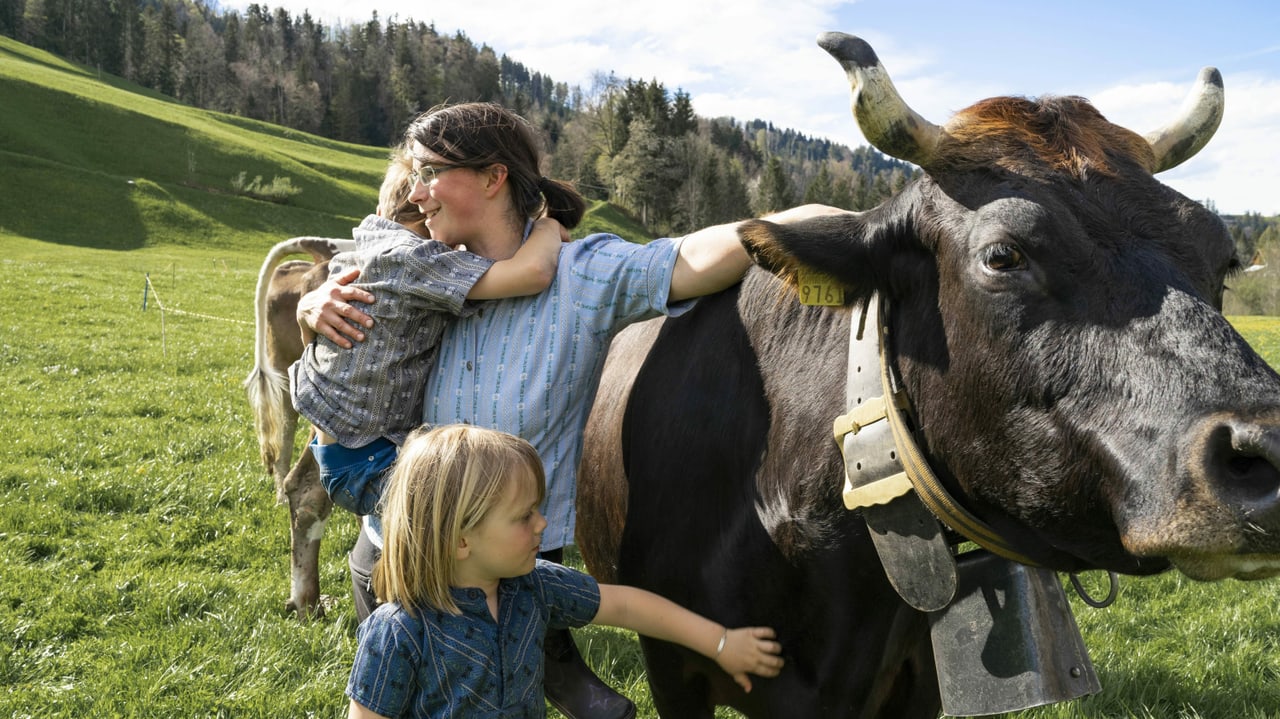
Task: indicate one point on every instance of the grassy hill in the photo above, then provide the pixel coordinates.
(97, 162)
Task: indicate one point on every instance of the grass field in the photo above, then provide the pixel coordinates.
(143, 561)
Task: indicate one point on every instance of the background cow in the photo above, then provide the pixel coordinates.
(277, 344)
(1055, 320)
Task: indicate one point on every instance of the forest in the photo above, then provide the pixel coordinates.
(633, 142)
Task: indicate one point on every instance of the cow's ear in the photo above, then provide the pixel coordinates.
(837, 246)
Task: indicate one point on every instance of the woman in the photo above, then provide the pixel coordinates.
(530, 365)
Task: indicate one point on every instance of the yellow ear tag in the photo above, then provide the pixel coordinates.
(818, 289)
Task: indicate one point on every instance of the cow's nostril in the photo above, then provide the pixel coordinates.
(1253, 476)
(1242, 466)
(1245, 458)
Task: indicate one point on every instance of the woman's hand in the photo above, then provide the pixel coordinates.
(325, 310)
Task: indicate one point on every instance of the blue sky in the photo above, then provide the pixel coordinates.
(1136, 60)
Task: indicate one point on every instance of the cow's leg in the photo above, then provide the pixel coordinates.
(906, 685)
(281, 466)
(676, 692)
(309, 509)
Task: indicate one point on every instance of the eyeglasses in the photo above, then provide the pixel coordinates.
(426, 173)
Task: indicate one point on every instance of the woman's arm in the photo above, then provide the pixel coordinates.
(737, 651)
(325, 310)
(530, 270)
(713, 258)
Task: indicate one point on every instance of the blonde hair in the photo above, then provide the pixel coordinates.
(397, 185)
(444, 483)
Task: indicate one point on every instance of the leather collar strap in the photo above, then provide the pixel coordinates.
(912, 547)
(916, 467)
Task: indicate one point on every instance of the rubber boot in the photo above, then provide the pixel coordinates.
(571, 686)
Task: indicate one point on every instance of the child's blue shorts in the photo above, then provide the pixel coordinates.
(355, 478)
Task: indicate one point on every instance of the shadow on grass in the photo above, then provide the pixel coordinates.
(43, 201)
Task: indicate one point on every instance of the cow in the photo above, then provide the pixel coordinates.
(1054, 318)
(278, 344)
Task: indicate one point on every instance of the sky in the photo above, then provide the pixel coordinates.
(1136, 60)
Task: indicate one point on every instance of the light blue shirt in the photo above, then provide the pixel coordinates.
(530, 365)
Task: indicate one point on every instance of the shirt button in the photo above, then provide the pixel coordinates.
(468, 365)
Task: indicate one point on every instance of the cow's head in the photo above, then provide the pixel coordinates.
(1056, 318)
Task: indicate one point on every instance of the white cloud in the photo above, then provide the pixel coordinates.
(1238, 168)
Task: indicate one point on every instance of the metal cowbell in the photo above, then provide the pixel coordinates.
(1008, 641)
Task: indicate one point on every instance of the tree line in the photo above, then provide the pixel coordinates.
(1257, 291)
(632, 142)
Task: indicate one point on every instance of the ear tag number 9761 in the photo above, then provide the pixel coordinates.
(818, 289)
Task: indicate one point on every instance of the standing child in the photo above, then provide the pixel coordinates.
(467, 602)
(364, 402)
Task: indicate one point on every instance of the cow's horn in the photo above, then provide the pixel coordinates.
(1201, 112)
(887, 122)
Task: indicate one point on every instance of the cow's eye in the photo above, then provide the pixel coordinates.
(1003, 258)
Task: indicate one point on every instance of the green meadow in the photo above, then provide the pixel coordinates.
(143, 559)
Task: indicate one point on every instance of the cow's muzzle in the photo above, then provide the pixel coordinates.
(1225, 518)
(1239, 462)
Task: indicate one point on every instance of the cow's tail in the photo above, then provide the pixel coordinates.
(267, 386)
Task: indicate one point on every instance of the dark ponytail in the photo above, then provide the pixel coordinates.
(562, 202)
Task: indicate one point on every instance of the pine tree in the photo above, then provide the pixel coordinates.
(644, 172)
(820, 190)
(775, 192)
(11, 17)
(364, 82)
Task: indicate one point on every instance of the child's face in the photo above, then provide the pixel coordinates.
(505, 544)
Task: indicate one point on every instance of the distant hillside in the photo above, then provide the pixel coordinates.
(1257, 291)
(632, 143)
(104, 163)
(91, 160)
(99, 162)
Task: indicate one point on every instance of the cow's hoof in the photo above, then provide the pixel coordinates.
(304, 612)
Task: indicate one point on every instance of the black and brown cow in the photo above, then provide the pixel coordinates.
(278, 344)
(1056, 325)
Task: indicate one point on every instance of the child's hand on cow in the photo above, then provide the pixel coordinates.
(750, 650)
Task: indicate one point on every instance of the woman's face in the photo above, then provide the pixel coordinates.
(452, 198)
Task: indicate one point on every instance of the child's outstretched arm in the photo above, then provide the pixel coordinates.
(530, 270)
(737, 651)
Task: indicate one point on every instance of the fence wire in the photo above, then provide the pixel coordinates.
(149, 294)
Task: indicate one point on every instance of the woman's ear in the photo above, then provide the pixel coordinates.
(463, 551)
(495, 178)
